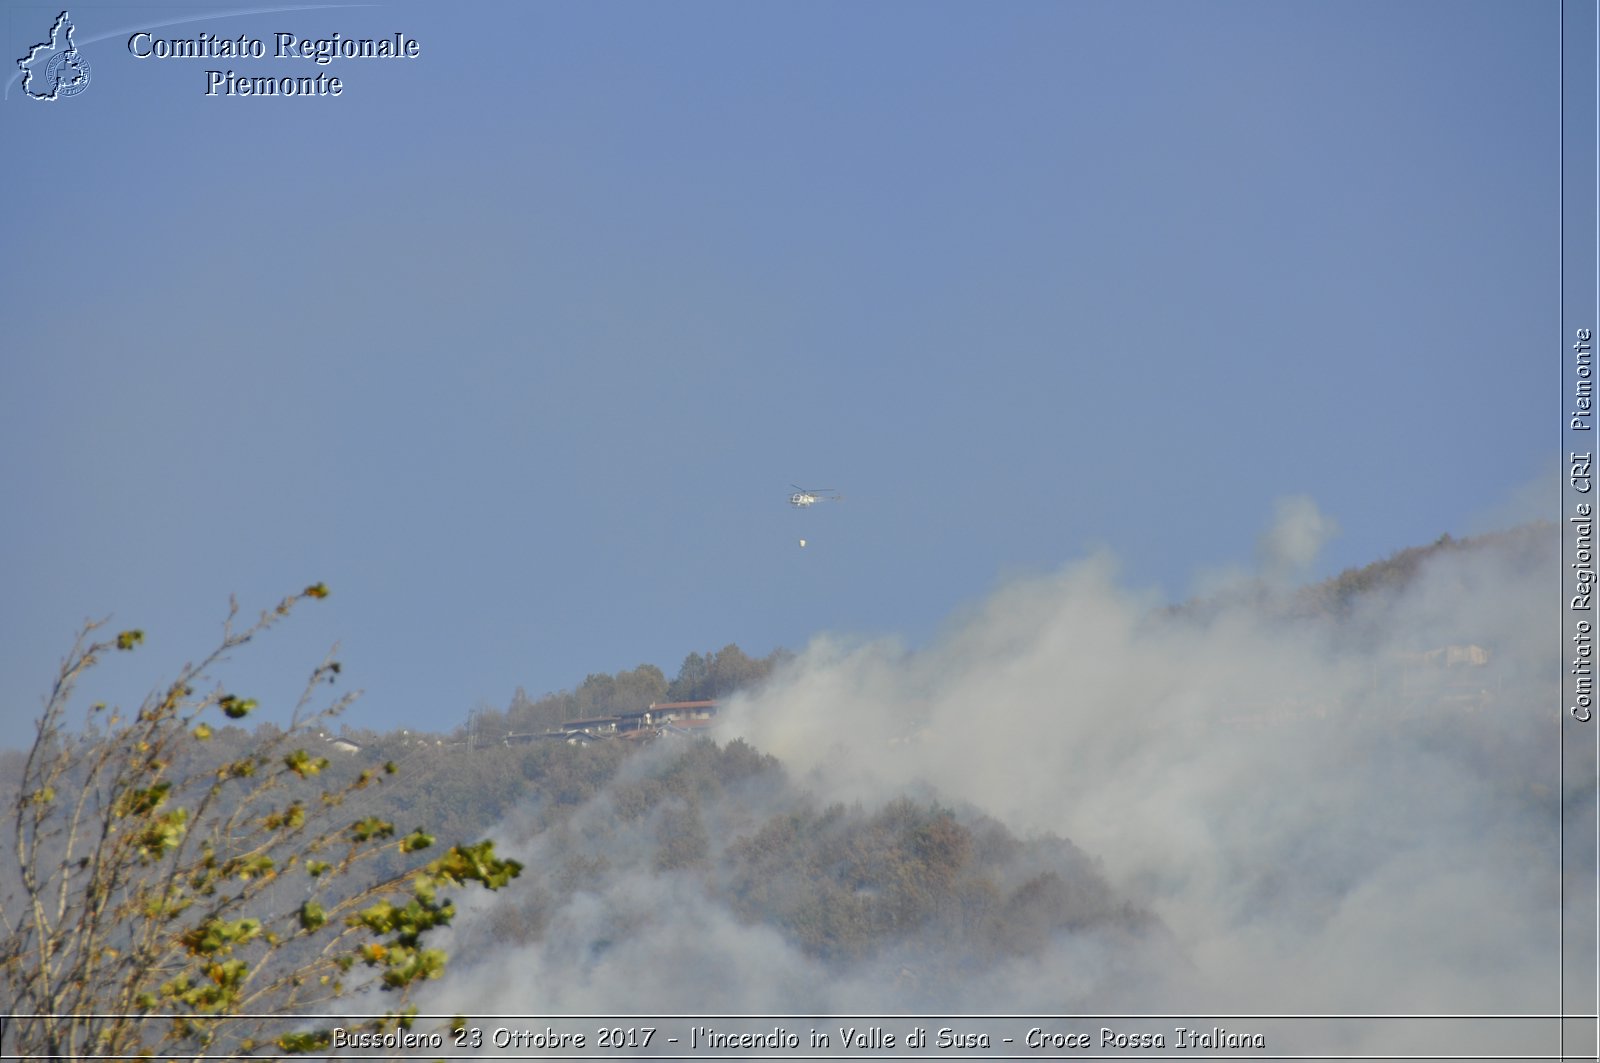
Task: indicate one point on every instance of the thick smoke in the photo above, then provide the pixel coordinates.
(1339, 806)
(1316, 824)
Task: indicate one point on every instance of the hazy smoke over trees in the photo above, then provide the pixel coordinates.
(1306, 803)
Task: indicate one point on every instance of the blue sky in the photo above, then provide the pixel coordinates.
(520, 344)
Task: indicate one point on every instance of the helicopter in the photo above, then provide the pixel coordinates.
(804, 497)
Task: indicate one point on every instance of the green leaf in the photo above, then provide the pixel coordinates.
(372, 827)
(415, 841)
(312, 916)
(478, 863)
(312, 1041)
(293, 817)
(164, 835)
(380, 918)
(214, 937)
(142, 801)
(301, 764)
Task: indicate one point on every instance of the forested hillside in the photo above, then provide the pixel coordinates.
(700, 677)
(1348, 602)
(923, 843)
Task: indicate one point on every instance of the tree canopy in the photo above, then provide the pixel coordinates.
(171, 864)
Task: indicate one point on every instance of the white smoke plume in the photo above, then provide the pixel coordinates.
(1350, 812)
(1298, 533)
